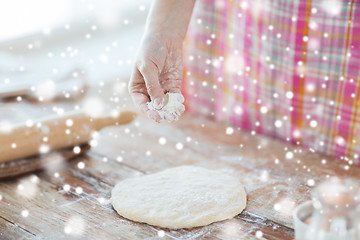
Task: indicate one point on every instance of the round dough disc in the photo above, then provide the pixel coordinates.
(181, 197)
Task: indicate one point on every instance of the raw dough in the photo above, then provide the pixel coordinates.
(181, 197)
(172, 109)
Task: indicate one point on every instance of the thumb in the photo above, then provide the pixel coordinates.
(150, 74)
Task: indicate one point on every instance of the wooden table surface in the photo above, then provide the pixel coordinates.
(71, 200)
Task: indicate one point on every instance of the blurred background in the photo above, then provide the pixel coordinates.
(43, 40)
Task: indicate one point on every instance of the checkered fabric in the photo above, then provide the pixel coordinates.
(289, 69)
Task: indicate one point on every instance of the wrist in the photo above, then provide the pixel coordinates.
(165, 30)
(163, 35)
(170, 18)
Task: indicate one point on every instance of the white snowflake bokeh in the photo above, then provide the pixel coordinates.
(104, 64)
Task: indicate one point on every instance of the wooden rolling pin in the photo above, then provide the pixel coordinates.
(54, 133)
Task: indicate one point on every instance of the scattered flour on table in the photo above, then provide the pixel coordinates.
(181, 197)
(172, 109)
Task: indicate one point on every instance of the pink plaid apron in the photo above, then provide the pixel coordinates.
(289, 69)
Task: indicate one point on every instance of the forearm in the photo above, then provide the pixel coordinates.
(170, 16)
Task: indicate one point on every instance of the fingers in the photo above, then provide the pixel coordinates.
(142, 100)
(145, 87)
(181, 108)
(140, 96)
(150, 73)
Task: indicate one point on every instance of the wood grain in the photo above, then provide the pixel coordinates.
(51, 208)
(275, 184)
(271, 184)
(27, 165)
(100, 219)
(10, 230)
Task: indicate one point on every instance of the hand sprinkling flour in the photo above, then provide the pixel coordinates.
(172, 107)
(155, 82)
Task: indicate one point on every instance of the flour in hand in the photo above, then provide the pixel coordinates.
(172, 108)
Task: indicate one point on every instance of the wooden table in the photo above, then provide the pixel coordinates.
(71, 200)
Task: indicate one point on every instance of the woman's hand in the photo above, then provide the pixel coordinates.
(158, 70)
(158, 66)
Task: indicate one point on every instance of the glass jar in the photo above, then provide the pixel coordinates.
(336, 214)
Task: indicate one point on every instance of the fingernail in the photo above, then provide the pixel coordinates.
(169, 117)
(181, 108)
(154, 115)
(158, 103)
